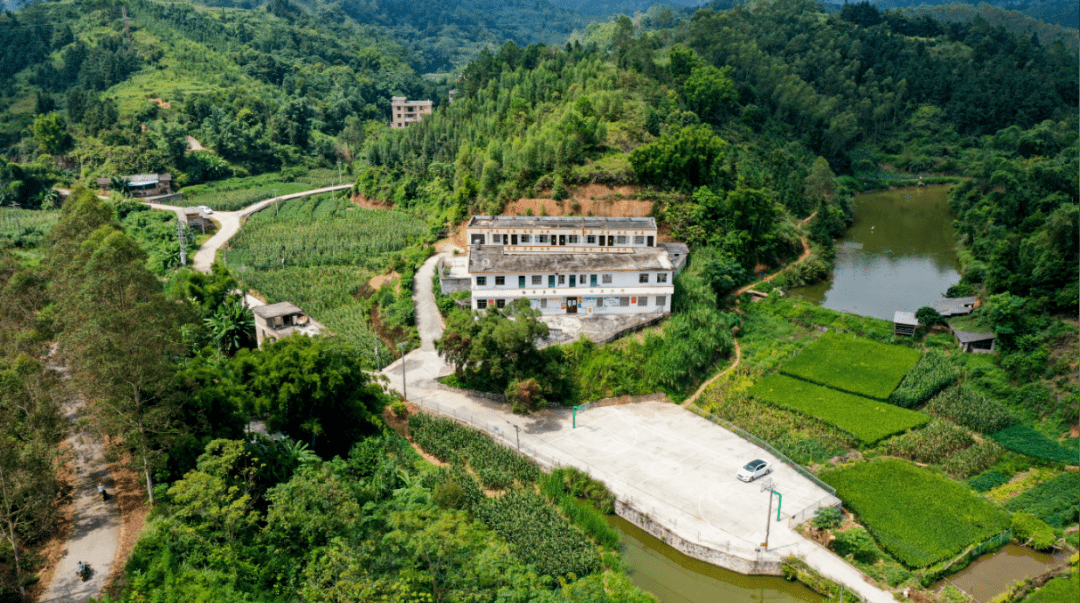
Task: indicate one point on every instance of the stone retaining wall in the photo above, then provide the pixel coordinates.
(759, 566)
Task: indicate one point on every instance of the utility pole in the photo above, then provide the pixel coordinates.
(339, 172)
(404, 391)
(180, 239)
(15, 206)
(517, 432)
(771, 487)
(276, 201)
(377, 363)
(768, 520)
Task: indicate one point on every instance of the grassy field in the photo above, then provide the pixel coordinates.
(859, 366)
(866, 419)
(916, 515)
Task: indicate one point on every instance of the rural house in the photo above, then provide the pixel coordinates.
(276, 321)
(143, 186)
(567, 265)
(404, 112)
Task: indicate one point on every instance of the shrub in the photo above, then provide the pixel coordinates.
(858, 366)
(933, 373)
(918, 516)
(972, 410)
(976, 459)
(524, 396)
(827, 518)
(987, 481)
(866, 419)
(398, 408)
(1032, 531)
(858, 544)
(1025, 440)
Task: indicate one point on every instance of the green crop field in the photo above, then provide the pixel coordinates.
(1025, 440)
(866, 419)
(916, 515)
(233, 194)
(859, 366)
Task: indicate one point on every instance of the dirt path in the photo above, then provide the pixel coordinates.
(95, 532)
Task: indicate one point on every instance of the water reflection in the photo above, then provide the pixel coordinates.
(898, 255)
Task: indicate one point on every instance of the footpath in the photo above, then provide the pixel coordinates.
(672, 472)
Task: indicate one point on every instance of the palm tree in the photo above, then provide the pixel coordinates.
(232, 327)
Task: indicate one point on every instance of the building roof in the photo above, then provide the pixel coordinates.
(679, 249)
(970, 337)
(276, 310)
(954, 306)
(905, 318)
(575, 222)
(494, 259)
(139, 179)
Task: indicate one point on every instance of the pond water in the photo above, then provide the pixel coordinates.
(990, 575)
(675, 578)
(899, 254)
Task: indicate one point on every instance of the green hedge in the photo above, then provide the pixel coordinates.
(933, 373)
(866, 419)
(918, 516)
(971, 409)
(854, 365)
(1057, 501)
(1025, 440)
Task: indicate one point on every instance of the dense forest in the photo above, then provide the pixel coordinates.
(747, 127)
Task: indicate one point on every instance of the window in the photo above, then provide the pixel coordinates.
(537, 279)
(543, 303)
(521, 282)
(621, 239)
(624, 302)
(605, 278)
(562, 279)
(639, 240)
(500, 280)
(643, 278)
(551, 281)
(481, 281)
(541, 238)
(642, 301)
(590, 239)
(572, 239)
(661, 278)
(581, 279)
(661, 301)
(499, 303)
(481, 304)
(526, 238)
(497, 239)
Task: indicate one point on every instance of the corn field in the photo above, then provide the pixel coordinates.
(234, 194)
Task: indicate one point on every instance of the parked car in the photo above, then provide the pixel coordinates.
(753, 470)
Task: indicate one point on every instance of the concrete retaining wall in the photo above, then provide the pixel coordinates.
(470, 392)
(717, 557)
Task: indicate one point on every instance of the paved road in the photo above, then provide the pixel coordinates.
(231, 220)
(95, 532)
(662, 459)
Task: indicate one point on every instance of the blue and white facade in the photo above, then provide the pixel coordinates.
(572, 265)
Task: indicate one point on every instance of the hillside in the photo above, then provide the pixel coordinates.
(1055, 12)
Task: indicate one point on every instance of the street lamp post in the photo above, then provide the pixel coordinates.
(404, 391)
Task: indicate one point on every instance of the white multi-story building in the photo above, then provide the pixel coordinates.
(404, 111)
(567, 265)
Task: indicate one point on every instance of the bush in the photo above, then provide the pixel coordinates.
(987, 481)
(1032, 531)
(975, 411)
(858, 366)
(858, 544)
(866, 419)
(1025, 440)
(524, 396)
(398, 408)
(918, 516)
(827, 518)
(933, 373)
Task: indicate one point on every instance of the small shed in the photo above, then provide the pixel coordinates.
(972, 342)
(905, 323)
(954, 306)
(275, 321)
(194, 217)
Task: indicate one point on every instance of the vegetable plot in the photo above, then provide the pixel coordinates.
(866, 419)
(933, 373)
(1025, 440)
(918, 516)
(497, 466)
(858, 366)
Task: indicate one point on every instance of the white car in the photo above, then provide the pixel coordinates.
(206, 210)
(753, 470)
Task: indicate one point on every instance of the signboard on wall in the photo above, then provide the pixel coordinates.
(611, 302)
(588, 302)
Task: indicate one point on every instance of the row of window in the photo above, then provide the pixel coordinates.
(560, 280)
(543, 239)
(640, 301)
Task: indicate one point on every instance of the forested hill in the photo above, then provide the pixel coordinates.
(1058, 12)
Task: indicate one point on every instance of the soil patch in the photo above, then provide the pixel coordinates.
(379, 280)
(449, 245)
(401, 426)
(588, 200)
(366, 203)
(160, 103)
(129, 490)
(52, 550)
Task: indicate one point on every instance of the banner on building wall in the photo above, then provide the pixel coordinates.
(588, 302)
(611, 302)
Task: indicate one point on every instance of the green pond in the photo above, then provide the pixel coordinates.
(899, 254)
(675, 578)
